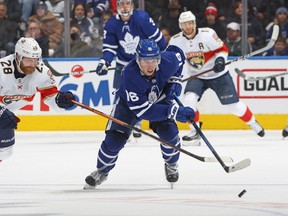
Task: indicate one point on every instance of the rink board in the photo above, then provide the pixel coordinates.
(267, 99)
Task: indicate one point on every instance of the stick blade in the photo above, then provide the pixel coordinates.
(214, 159)
(240, 73)
(238, 166)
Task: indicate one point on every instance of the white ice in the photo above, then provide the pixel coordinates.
(46, 173)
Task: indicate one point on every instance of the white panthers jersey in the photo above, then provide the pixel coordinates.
(16, 92)
(201, 51)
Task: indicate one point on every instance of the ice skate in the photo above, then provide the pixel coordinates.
(255, 126)
(285, 132)
(193, 138)
(171, 172)
(95, 179)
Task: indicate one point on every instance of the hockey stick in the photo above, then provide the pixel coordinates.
(242, 75)
(271, 43)
(238, 166)
(56, 73)
(200, 158)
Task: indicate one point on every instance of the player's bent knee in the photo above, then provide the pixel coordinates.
(115, 141)
(167, 130)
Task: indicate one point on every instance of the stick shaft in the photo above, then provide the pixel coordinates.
(138, 130)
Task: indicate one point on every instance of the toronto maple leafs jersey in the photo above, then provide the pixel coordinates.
(201, 51)
(142, 93)
(121, 38)
(18, 90)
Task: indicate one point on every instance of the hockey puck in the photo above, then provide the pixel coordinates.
(242, 193)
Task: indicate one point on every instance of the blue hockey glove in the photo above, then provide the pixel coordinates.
(7, 119)
(182, 114)
(219, 65)
(102, 68)
(173, 88)
(63, 99)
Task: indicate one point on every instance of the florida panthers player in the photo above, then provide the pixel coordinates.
(22, 75)
(122, 33)
(204, 50)
(146, 92)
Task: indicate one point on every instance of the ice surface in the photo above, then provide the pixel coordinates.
(45, 176)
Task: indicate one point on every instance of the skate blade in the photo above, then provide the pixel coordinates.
(172, 185)
(88, 187)
(191, 143)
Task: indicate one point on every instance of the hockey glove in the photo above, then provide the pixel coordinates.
(174, 86)
(219, 65)
(182, 114)
(63, 99)
(102, 68)
(7, 119)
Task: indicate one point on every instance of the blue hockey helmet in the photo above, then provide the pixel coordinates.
(148, 49)
(122, 11)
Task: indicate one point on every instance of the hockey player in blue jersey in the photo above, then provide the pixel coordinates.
(122, 34)
(148, 84)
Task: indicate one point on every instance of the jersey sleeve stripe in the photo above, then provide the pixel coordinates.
(110, 46)
(109, 50)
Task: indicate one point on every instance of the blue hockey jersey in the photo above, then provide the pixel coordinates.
(143, 93)
(121, 38)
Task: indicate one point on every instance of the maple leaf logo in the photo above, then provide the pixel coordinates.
(129, 43)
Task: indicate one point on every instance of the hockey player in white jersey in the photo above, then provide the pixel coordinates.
(22, 75)
(205, 50)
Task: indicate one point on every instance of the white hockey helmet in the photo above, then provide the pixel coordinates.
(185, 17)
(121, 12)
(28, 47)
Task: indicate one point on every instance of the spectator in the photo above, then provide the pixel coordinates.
(211, 21)
(156, 8)
(57, 8)
(224, 9)
(95, 8)
(27, 10)
(279, 48)
(105, 17)
(13, 10)
(49, 25)
(170, 18)
(78, 47)
(8, 29)
(79, 17)
(281, 19)
(197, 7)
(234, 41)
(35, 32)
(256, 32)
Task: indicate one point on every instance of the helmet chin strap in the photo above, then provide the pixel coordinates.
(18, 62)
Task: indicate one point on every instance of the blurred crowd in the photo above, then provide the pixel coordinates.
(44, 21)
